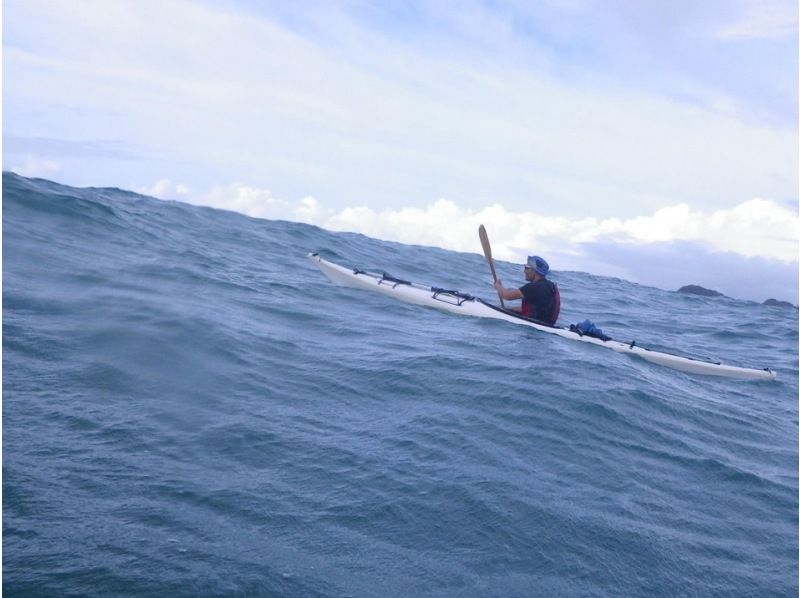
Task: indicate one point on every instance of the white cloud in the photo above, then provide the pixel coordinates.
(164, 189)
(260, 203)
(748, 251)
(31, 166)
(755, 228)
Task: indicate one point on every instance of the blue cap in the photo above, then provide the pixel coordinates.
(538, 265)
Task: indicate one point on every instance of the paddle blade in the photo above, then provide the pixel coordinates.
(487, 251)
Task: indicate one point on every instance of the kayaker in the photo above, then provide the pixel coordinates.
(541, 299)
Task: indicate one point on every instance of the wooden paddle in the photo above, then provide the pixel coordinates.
(487, 251)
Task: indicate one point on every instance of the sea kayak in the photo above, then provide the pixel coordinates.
(463, 304)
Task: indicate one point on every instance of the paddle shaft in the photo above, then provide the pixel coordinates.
(487, 251)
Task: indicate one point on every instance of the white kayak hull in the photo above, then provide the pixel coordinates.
(462, 304)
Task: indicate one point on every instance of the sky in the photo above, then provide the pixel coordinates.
(652, 141)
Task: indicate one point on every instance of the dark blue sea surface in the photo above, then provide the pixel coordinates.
(190, 408)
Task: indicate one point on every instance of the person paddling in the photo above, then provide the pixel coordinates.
(541, 299)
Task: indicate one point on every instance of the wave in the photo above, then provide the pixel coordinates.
(187, 398)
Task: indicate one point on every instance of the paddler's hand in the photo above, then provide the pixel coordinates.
(498, 284)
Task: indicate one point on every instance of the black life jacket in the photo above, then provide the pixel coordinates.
(529, 310)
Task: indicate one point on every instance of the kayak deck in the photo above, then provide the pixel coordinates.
(463, 304)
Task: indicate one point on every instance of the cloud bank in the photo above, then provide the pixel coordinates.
(675, 245)
(754, 228)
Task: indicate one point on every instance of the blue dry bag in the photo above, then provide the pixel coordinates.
(588, 328)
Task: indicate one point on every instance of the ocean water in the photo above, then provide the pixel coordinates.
(191, 409)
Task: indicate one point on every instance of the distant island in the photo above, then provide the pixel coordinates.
(776, 303)
(693, 289)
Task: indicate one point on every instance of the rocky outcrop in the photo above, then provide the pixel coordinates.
(693, 289)
(776, 303)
